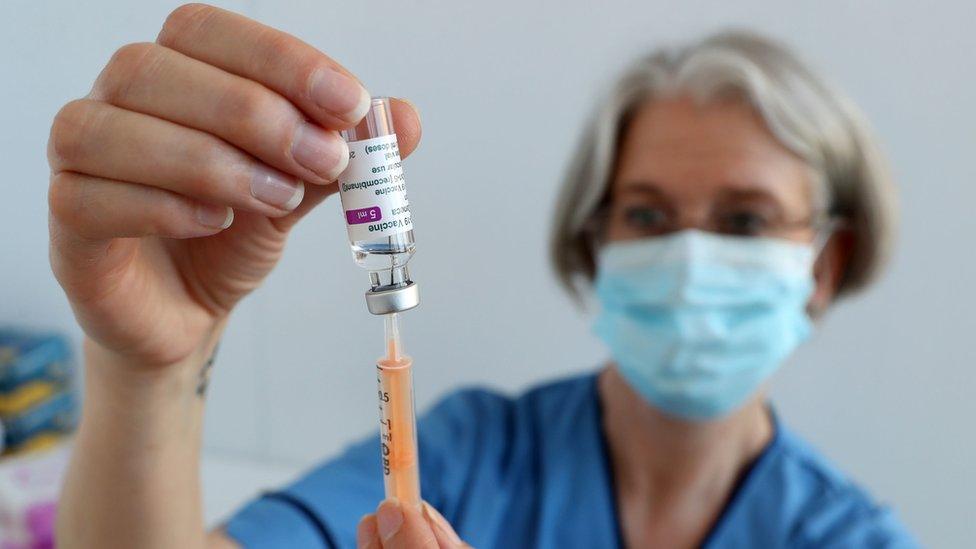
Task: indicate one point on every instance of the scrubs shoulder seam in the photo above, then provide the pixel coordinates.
(249, 525)
(832, 480)
(323, 529)
(864, 510)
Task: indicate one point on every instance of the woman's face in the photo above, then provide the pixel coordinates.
(714, 167)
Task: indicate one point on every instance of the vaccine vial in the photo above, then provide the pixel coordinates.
(376, 210)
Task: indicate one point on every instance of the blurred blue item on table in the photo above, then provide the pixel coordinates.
(27, 356)
(55, 414)
(37, 396)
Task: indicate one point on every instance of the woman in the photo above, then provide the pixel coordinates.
(722, 197)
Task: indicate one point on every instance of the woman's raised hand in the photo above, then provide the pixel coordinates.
(175, 182)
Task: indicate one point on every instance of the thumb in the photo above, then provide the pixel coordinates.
(403, 527)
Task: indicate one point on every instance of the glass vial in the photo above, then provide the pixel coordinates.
(377, 213)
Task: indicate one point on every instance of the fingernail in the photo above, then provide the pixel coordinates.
(322, 152)
(339, 94)
(276, 189)
(216, 217)
(442, 523)
(389, 518)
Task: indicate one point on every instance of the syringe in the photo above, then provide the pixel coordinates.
(398, 425)
(380, 226)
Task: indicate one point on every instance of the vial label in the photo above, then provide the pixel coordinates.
(372, 190)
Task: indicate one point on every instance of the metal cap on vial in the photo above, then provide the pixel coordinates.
(385, 299)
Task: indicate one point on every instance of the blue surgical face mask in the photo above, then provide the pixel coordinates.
(696, 321)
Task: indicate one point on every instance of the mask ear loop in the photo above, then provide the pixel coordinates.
(825, 231)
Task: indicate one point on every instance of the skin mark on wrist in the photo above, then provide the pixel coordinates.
(203, 379)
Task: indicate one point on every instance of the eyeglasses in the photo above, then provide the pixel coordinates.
(644, 221)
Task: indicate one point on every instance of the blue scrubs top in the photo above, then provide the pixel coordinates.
(533, 472)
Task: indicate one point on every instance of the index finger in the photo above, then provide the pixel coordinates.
(322, 88)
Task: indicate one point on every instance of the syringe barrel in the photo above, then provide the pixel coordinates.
(398, 431)
(376, 210)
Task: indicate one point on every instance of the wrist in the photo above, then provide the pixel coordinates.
(139, 444)
(157, 411)
(123, 370)
(114, 382)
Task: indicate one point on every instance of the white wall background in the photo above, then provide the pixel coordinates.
(887, 387)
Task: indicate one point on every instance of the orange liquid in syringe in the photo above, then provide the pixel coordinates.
(398, 437)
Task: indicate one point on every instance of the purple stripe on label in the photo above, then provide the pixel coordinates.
(363, 215)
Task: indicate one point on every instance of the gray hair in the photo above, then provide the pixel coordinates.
(816, 122)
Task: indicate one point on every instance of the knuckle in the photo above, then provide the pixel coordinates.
(130, 56)
(128, 64)
(247, 105)
(62, 197)
(210, 154)
(277, 48)
(215, 164)
(252, 111)
(161, 221)
(173, 217)
(184, 20)
(69, 132)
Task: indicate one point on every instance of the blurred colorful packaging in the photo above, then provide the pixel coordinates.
(38, 409)
(38, 402)
(29, 486)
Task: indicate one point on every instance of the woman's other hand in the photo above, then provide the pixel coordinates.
(396, 526)
(175, 182)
